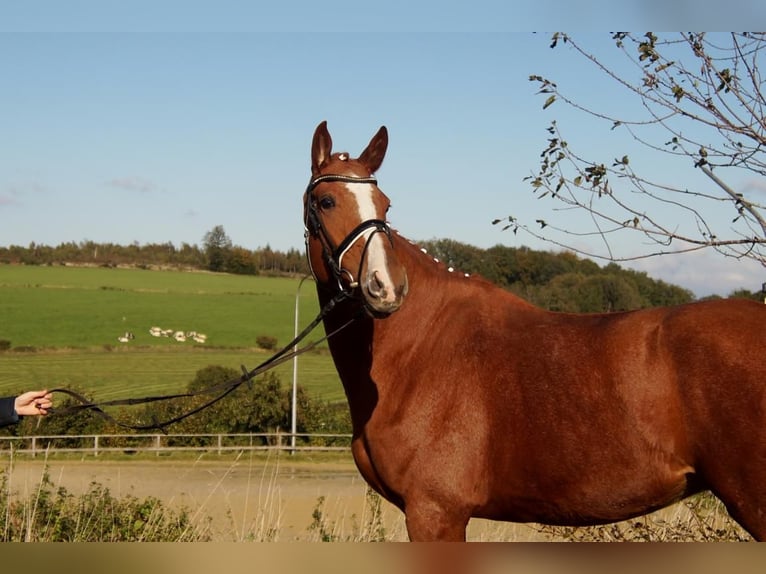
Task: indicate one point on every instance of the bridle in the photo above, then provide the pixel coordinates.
(332, 254)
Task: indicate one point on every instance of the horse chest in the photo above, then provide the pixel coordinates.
(370, 468)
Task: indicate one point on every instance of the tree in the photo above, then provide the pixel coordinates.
(702, 106)
(597, 293)
(217, 246)
(240, 261)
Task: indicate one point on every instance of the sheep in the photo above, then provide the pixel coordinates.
(128, 336)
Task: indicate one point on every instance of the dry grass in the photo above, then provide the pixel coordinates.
(701, 518)
(249, 499)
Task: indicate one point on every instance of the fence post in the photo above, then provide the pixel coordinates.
(95, 445)
(220, 444)
(34, 446)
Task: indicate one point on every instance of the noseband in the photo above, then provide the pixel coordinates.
(333, 255)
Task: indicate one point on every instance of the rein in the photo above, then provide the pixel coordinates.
(334, 258)
(221, 390)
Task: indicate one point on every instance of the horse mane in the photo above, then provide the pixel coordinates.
(420, 261)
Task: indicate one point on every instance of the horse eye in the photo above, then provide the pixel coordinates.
(326, 202)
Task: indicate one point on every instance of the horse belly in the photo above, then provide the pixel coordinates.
(590, 495)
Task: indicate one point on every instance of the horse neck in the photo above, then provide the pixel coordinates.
(350, 346)
(434, 283)
(427, 276)
(433, 286)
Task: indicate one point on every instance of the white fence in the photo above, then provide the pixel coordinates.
(167, 443)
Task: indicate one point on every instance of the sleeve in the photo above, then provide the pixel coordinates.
(8, 414)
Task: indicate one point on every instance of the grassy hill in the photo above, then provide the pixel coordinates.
(63, 325)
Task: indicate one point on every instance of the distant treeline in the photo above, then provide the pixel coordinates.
(563, 281)
(231, 259)
(557, 281)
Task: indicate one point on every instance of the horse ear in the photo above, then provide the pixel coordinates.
(321, 148)
(375, 151)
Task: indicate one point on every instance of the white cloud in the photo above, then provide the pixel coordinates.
(755, 185)
(13, 193)
(133, 183)
(704, 272)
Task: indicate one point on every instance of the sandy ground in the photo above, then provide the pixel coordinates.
(250, 498)
(244, 498)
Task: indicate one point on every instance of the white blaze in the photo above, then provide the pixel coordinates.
(376, 254)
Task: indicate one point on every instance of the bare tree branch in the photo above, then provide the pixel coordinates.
(704, 93)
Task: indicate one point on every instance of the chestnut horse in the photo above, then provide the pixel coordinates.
(467, 401)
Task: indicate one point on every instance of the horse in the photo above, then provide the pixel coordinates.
(468, 401)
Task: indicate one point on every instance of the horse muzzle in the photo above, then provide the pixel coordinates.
(382, 295)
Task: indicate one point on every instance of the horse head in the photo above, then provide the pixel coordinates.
(348, 241)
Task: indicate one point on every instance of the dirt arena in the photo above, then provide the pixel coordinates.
(246, 499)
(243, 498)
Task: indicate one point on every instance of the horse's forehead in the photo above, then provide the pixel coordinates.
(368, 198)
(363, 200)
(343, 164)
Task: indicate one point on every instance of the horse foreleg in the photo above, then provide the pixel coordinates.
(741, 486)
(747, 511)
(429, 522)
(751, 520)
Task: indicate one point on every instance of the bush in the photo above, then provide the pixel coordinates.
(266, 342)
(50, 515)
(258, 406)
(5, 344)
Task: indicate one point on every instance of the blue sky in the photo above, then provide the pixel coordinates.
(156, 124)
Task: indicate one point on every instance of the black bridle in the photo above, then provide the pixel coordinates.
(332, 254)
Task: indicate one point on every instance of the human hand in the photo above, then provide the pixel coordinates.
(33, 403)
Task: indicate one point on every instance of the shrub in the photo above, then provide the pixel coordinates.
(5, 344)
(261, 405)
(50, 515)
(266, 342)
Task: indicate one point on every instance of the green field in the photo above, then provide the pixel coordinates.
(63, 324)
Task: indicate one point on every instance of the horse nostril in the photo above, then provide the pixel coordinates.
(375, 286)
